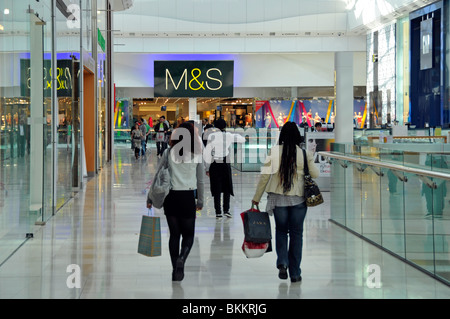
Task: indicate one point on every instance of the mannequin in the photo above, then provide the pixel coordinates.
(280, 120)
(359, 120)
(317, 118)
(267, 120)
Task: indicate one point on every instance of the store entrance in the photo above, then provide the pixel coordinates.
(236, 112)
(89, 121)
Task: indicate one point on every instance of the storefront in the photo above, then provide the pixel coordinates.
(53, 125)
(284, 86)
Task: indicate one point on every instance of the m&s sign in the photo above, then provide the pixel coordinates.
(193, 78)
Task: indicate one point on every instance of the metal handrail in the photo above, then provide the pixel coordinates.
(396, 167)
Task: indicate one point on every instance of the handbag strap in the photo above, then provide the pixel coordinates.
(305, 163)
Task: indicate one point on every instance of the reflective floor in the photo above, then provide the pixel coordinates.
(97, 231)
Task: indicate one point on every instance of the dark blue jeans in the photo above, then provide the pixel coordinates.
(289, 237)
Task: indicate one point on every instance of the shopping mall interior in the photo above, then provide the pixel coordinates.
(76, 76)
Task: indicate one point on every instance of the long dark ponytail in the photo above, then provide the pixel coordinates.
(290, 138)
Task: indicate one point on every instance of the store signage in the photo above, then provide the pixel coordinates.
(193, 78)
(63, 78)
(426, 48)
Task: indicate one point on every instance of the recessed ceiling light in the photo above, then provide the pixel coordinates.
(6, 11)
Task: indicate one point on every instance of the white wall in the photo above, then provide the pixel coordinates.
(250, 70)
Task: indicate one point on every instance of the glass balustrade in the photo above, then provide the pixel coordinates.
(405, 213)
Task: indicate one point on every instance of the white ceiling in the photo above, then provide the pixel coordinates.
(233, 11)
(237, 18)
(231, 17)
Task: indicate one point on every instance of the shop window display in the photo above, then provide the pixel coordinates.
(272, 114)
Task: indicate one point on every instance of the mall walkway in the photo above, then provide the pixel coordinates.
(98, 231)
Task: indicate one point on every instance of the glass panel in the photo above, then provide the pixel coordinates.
(441, 221)
(370, 197)
(23, 156)
(45, 14)
(353, 191)
(392, 205)
(338, 193)
(67, 112)
(418, 223)
(441, 231)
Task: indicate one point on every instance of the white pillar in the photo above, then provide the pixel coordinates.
(193, 109)
(343, 64)
(37, 118)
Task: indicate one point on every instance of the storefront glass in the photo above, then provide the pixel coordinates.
(40, 140)
(68, 56)
(25, 128)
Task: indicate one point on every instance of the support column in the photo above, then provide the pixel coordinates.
(37, 119)
(193, 109)
(343, 65)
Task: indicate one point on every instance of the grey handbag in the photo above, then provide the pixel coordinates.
(160, 186)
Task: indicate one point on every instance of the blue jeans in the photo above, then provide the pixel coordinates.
(289, 237)
(143, 147)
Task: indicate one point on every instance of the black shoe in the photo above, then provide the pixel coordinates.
(218, 215)
(282, 274)
(228, 214)
(178, 274)
(298, 279)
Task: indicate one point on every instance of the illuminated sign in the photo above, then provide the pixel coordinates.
(193, 78)
(63, 78)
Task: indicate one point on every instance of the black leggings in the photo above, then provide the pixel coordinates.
(180, 227)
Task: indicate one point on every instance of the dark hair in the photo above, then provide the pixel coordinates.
(220, 124)
(290, 138)
(194, 143)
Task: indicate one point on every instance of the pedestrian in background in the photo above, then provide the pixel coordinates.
(218, 168)
(136, 140)
(161, 130)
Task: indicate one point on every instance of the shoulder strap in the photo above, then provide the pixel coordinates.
(305, 163)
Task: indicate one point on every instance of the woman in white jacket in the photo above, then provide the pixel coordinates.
(186, 193)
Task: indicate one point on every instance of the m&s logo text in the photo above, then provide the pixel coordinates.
(193, 78)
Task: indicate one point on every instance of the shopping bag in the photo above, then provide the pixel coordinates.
(150, 236)
(253, 249)
(257, 226)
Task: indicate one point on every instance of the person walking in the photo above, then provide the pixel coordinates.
(186, 193)
(136, 138)
(161, 130)
(218, 168)
(143, 129)
(282, 178)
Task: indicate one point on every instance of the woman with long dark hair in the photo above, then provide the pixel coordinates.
(185, 197)
(282, 179)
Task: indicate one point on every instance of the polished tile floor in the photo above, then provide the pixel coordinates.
(96, 235)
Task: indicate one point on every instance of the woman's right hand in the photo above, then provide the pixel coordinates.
(255, 203)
